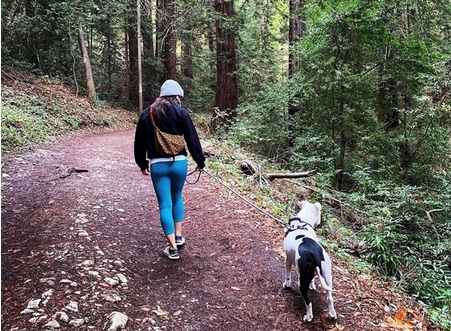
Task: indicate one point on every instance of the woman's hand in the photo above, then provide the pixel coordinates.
(145, 172)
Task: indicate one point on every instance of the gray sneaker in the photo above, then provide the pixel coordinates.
(179, 240)
(172, 254)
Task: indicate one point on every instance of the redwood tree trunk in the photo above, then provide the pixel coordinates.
(158, 28)
(126, 93)
(87, 63)
(296, 31)
(187, 61)
(339, 161)
(147, 33)
(167, 39)
(133, 54)
(226, 78)
(138, 44)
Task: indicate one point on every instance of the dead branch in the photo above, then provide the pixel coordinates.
(428, 213)
(15, 76)
(251, 168)
(356, 248)
(272, 176)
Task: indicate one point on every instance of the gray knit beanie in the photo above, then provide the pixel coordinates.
(170, 88)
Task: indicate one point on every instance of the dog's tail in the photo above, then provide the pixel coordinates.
(322, 280)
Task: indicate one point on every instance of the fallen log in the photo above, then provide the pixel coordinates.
(272, 176)
(251, 168)
(347, 212)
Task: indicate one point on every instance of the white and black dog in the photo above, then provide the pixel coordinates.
(303, 250)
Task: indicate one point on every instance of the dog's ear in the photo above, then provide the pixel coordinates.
(318, 205)
(301, 203)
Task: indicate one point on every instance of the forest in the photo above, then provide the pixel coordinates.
(357, 91)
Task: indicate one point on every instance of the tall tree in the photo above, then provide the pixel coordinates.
(296, 30)
(187, 61)
(147, 28)
(106, 44)
(150, 64)
(132, 52)
(126, 90)
(87, 64)
(167, 38)
(138, 36)
(226, 76)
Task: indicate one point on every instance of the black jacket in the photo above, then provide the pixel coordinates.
(176, 121)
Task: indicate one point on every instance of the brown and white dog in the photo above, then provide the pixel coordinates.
(303, 250)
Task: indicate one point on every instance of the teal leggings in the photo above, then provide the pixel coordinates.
(168, 179)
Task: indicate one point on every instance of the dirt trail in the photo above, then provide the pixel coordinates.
(89, 243)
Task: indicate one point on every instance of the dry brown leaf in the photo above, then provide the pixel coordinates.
(336, 327)
(401, 314)
(399, 322)
(160, 312)
(413, 312)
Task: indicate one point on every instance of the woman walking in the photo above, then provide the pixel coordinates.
(168, 172)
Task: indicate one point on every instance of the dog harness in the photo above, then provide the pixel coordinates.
(303, 225)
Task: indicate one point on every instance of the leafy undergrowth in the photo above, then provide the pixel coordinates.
(37, 110)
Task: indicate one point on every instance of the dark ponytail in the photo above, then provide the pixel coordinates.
(161, 104)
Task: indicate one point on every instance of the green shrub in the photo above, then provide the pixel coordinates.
(21, 129)
(386, 242)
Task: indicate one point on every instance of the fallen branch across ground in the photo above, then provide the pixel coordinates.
(272, 176)
(251, 168)
(347, 212)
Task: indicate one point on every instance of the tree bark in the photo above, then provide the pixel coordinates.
(138, 37)
(148, 33)
(187, 61)
(126, 95)
(340, 161)
(296, 31)
(226, 79)
(109, 56)
(159, 29)
(87, 63)
(167, 39)
(133, 54)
